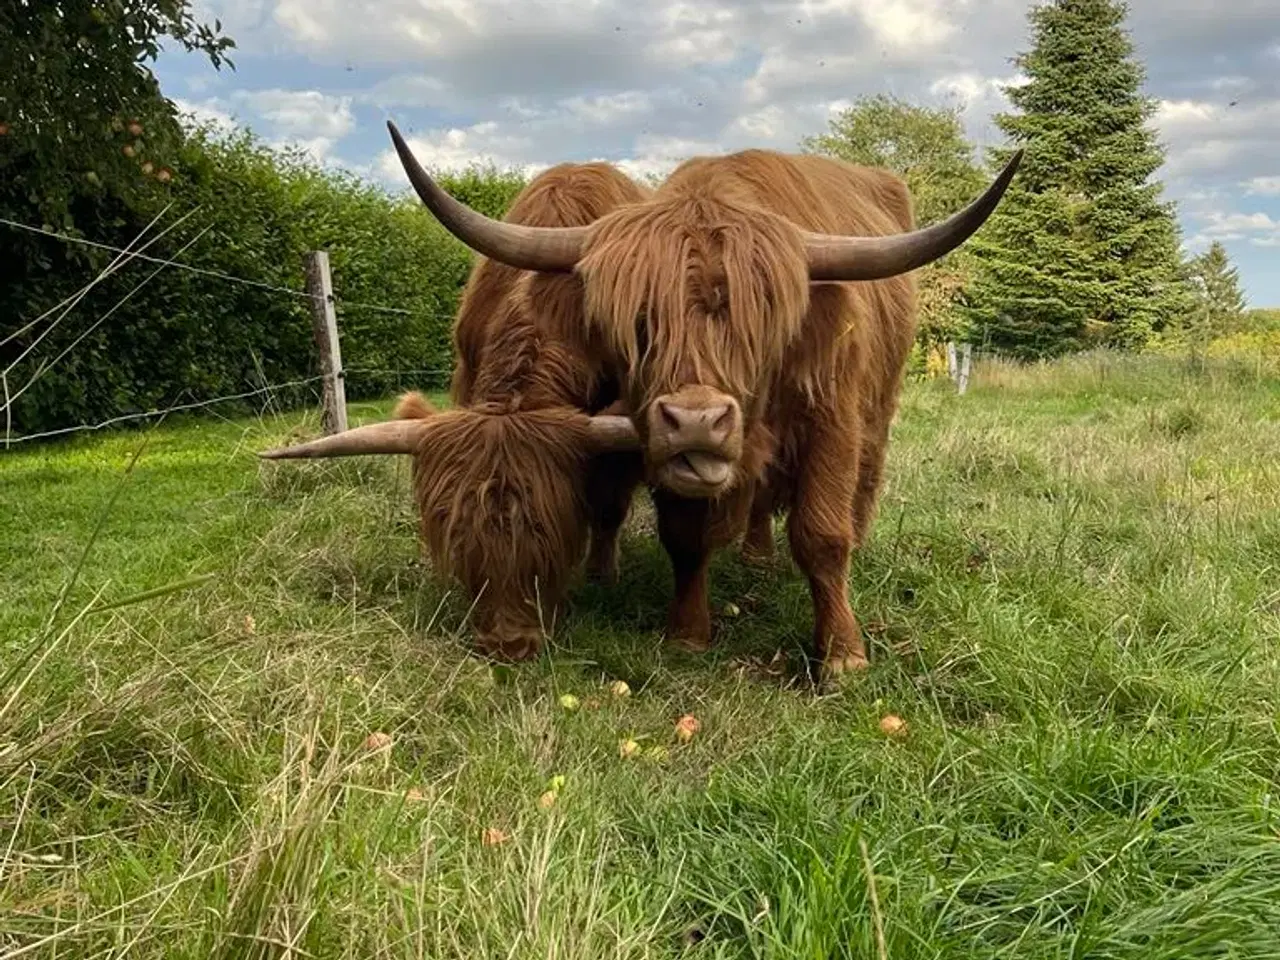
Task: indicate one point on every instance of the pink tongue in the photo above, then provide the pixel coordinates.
(708, 467)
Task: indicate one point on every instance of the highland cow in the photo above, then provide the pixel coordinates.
(757, 310)
(512, 483)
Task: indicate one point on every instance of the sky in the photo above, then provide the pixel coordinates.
(529, 83)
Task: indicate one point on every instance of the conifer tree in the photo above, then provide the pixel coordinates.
(1217, 286)
(1082, 250)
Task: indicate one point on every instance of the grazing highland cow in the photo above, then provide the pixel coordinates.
(510, 482)
(758, 374)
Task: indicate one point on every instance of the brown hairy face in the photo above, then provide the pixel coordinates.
(697, 301)
(503, 511)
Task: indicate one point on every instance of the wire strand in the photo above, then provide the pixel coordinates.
(45, 368)
(155, 413)
(70, 302)
(377, 307)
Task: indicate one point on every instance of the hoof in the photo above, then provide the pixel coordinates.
(842, 666)
(510, 647)
(754, 556)
(604, 576)
(603, 570)
(691, 642)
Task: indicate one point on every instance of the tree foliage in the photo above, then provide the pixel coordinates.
(926, 146)
(86, 127)
(484, 188)
(1082, 250)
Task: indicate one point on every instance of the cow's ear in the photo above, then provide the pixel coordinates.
(413, 406)
(611, 433)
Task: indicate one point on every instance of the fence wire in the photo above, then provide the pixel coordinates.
(134, 252)
(217, 274)
(70, 302)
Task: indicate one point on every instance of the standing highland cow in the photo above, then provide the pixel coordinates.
(758, 372)
(509, 484)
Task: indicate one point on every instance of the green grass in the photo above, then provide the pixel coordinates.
(1072, 597)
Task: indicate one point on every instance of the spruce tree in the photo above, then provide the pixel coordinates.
(1082, 250)
(1217, 287)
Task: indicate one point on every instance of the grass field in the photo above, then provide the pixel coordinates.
(1072, 597)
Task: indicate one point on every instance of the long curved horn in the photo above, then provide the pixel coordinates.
(834, 257)
(613, 434)
(391, 436)
(551, 249)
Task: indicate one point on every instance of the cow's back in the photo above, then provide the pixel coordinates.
(519, 335)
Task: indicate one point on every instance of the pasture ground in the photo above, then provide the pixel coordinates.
(1073, 601)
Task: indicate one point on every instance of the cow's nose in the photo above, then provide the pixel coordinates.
(695, 438)
(701, 427)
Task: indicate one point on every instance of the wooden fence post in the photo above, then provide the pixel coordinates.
(966, 356)
(951, 360)
(324, 323)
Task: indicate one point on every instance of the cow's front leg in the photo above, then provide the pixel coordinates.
(682, 530)
(611, 482)
(757, 545)
(820, 528)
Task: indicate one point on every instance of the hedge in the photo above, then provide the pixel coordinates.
(191, 336)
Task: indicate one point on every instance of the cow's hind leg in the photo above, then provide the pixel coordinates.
(882, 405)
(875, 446)
(820, 529)
(611, 482)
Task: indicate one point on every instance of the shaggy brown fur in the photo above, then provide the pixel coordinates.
(706, 283)
(506, 489)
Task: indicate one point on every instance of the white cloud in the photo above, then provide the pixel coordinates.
(1231, 84)
(909, 25)
(306, 118)
(751, 71)
(1207, 138)
(1176, 115)
(460, 147)
(487, 48)
(205, 113)
(763, 125)
(697, 34)
(660, 154)
(975, 91)
(646, 85)
(1265, 186)
(409, 90)
(1258, 228)
(612, 108)
(580, 78)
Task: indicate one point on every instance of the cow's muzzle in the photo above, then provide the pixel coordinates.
(695, 440)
